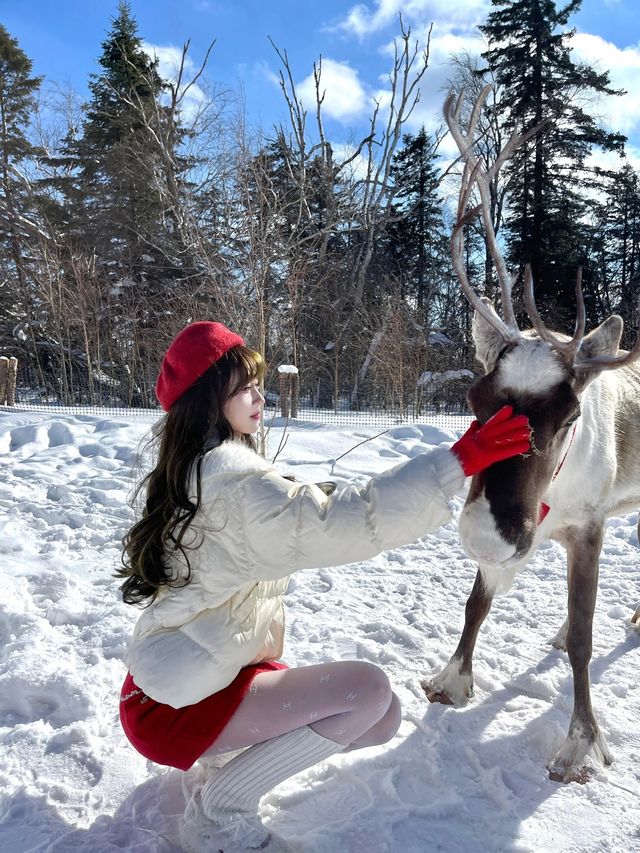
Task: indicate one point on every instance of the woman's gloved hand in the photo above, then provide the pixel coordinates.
(501, 437)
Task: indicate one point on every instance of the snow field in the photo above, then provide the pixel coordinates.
(457, 780)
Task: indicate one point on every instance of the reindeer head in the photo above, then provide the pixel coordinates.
(539, 373)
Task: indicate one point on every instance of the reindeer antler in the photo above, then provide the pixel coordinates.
(567, 349)
(570, 350)
(474, 173)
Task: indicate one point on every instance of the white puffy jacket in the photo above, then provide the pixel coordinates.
(254, 527)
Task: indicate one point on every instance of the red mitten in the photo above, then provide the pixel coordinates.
(501, 437)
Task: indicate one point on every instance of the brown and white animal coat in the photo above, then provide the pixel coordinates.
(582, 398)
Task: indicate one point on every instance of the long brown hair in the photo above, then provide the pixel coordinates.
(193, 419)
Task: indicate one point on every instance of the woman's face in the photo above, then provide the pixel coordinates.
(243, 408)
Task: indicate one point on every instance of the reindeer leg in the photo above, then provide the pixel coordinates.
(454, 685)
(635, 619)
(584, 737)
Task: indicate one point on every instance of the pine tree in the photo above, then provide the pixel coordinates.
(529, 56)
(125, 207)
(18, 206)
(114, 191)
(416, 236)
(615, 249)
(117, 181)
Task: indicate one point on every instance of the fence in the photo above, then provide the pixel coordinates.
(439, 398)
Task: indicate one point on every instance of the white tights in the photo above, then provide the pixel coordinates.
(348, 702)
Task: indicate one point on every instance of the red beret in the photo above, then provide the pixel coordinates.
(190, 354)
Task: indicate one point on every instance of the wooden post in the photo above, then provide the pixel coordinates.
(288, 390)
(8, 380)
(283, 391)
(4, 376)
(12, 381)
(295, 391)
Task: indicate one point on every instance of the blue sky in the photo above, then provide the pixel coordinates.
(63, 39)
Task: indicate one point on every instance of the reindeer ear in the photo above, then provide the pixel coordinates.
(488, 342)
(604, 340)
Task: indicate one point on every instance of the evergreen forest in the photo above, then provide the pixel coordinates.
(127, 216)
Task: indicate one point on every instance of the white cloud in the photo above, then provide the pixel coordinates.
(169, 59)
(358, 167)
(611, 160)
(619, 113)
(344, 95)
(261, 67)
(361, 20)
(633, 156)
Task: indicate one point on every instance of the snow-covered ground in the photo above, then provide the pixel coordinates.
(459, 781)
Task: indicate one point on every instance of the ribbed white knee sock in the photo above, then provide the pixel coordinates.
(240, 784)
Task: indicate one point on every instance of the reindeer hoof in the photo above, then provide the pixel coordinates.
(580, 758)
(635, 619)
(581, 775)
(436, 694)
(451, 686)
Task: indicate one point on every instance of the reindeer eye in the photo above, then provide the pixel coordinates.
(572, 419)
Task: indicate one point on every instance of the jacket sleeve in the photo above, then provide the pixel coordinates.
(279, 527)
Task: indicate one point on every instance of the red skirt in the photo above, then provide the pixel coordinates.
(177, 737)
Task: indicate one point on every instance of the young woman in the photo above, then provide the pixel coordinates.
(210, 557)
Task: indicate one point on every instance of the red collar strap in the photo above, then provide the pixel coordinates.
(544, 508)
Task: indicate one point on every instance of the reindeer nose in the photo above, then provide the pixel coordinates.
(523, 545)
(519, 529)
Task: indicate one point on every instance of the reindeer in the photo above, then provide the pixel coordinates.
(582, 397)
